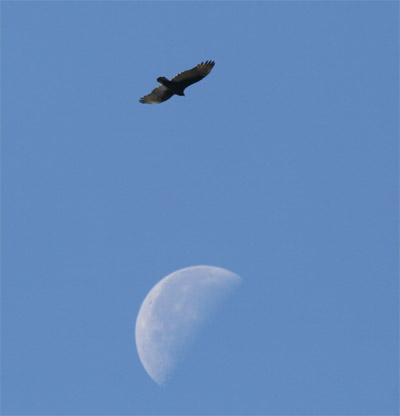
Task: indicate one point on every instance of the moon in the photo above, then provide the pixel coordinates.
(173, 312)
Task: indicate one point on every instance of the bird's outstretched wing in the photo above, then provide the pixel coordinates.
(158, 95)
(189, 77)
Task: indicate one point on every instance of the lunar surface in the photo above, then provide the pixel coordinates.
(174, 311)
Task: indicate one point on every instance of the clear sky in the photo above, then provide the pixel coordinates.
(281, 166)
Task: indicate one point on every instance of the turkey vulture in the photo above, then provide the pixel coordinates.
(177, 84)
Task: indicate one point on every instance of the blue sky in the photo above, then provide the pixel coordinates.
(281, 166)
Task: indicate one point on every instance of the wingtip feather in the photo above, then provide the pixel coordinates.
(207, 65)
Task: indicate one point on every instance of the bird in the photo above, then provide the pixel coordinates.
(177, 85)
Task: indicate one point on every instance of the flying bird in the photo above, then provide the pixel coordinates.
(177, 84)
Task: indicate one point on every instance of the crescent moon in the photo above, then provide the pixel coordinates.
(173, 312)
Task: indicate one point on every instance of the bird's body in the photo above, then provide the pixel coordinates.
(177, 85)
